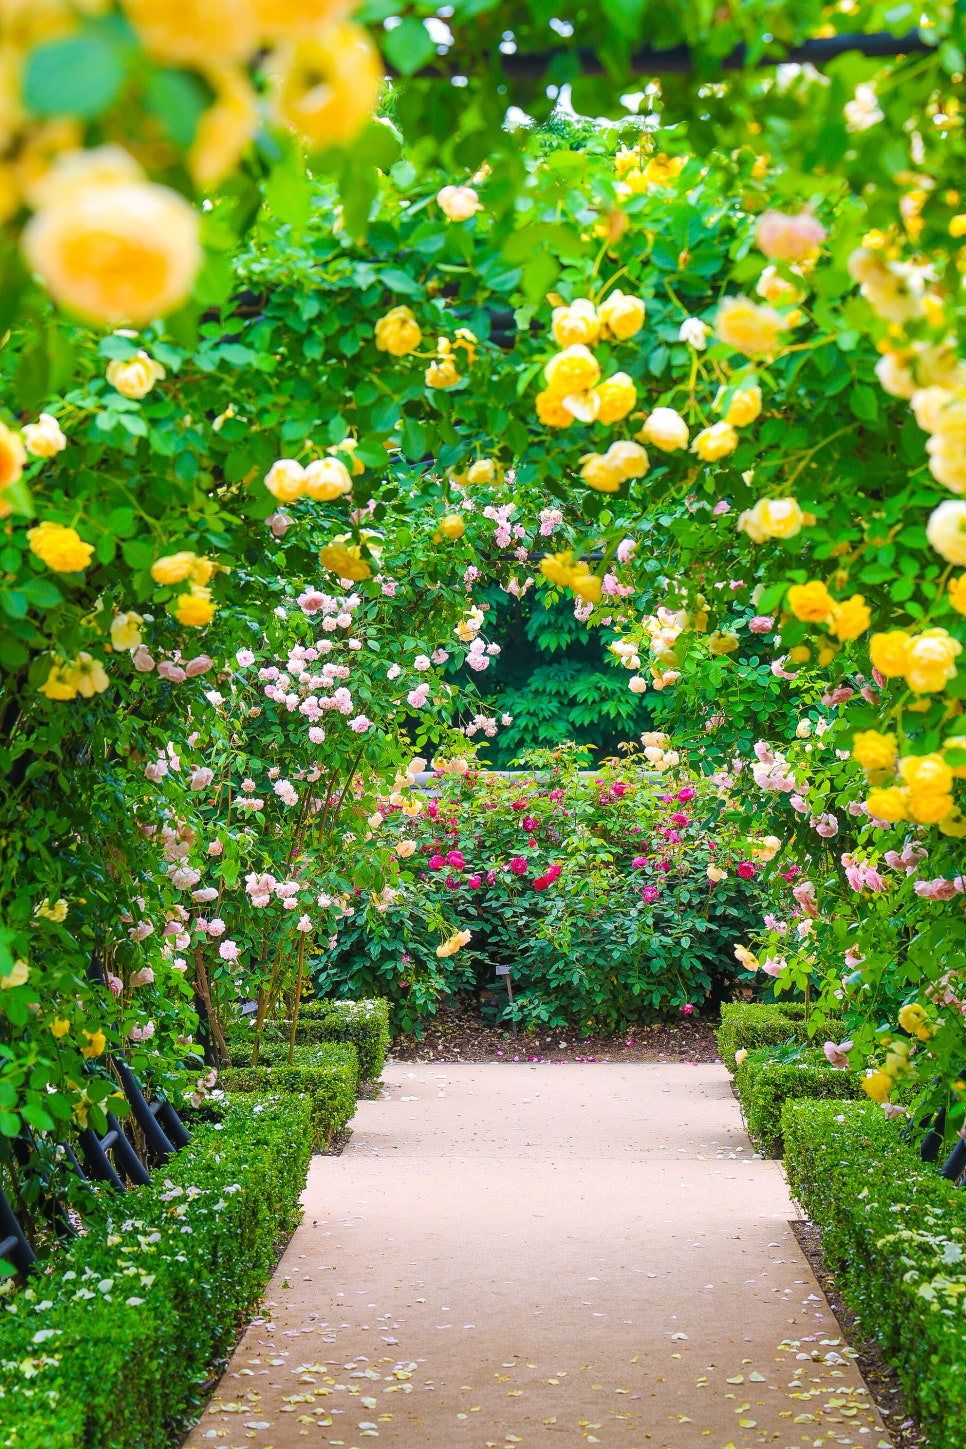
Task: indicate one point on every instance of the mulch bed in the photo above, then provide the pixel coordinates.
(458, 1034)
(881, 1379)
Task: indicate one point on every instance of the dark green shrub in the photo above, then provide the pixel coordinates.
(326, 1075)
(895, 1232)
(122, 1328)
(754, 1024)
(364, 1024)
(764, 1086)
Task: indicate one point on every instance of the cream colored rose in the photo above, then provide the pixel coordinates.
(715, 442)
(772, 518)
(695, 333)
(774, 288)
(458, 203)
(941, 410)
(946, 531)
(134, 377)
(405, 848)
(575, 324)
(285, 480)
(126, 631)
(947, 462)
(325, 479)
(621, 316)
(114, 250)
(637, 684)
(744, 407)
(44, 438)
(626, 459)
(666, 429)
(747, 327)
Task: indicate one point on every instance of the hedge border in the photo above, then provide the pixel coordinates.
(362, 1024)
(85, 1362)
(765, 1085)
(895, 1233)
(326, 1075)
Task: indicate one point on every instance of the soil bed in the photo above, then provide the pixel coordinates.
(459, 1034)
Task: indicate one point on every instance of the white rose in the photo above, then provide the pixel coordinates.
(666, 429)
(694, 332)
(458, 203)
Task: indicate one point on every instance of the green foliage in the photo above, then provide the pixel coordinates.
(325, 1075)
(748, 1025)
(363, 1023)
(895, 1234)
(765, 1084)
(113, 1343)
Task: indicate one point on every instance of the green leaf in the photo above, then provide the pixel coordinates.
(177, 100)
(80, 76)
(288, 189)
(408, 46)
(9, 1124)
(37, 1117)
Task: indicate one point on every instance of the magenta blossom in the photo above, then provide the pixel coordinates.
(451, 883)
(528, 823)
(650, 894)
(436, 862)
(490, 877)
(679, 818)
(687, 1009)
(639, 862)
(746, 870)
(455, 859)
(474, 882)
(686, 793)
(518, 865)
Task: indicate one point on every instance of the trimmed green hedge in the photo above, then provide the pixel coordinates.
(753, 1024)
(895, 1232)
(326, 1075)
(363, 1024)
(111, 1344)
(765, 1085)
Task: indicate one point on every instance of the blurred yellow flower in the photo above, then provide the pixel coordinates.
(328, 86)
(195, 608)
(666, 429)
(398, 332)
(285, 480)
(811, 602)
(327, 478)
(748, 327)
(874, 752)
(617, 395)
(621, 316)
(573, 370)
(225, 128)
(135, 376)
(575, 324)
(42, 439)
(96, 1042)
(715, 442)
(61, 549)
(174, 568)
(850, 618)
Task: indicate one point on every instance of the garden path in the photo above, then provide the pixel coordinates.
(433, 1297)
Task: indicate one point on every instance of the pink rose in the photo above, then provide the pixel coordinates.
(142, 660)
(172, 672)
(518, 865)
(455, 859)
(199, 665)
(761, 624)
(437, 862)
(838, 1056)
(474, 882)
(650, 894)
(746, 870)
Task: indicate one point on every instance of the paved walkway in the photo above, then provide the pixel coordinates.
(552, 1255)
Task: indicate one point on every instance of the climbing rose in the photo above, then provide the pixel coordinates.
(746, 870)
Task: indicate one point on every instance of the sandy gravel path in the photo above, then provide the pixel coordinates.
(551, 1255)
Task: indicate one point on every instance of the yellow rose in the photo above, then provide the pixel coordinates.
(666, 429)
(345, 560)
(96, 1042)
(13, 456)
(801, 654)
(174, 568)
(774, 288)
(574, 370)
(59, 1027)
(889, 652)
(661, 170)
(577, 323)
(18, 975)
(851, 618)
(458, 203)
(398, 332)
(56, 912)
(873, 751)
(61, 549)
(468, 340)
(89, 675)
(771, 518)
(346, 452)
(195, 32)
(617, 395)
(877, 1085)
(42, 439)
(953, 825)
(930, 660)
(115, 250)
(957, 593)
(225, 128)
(585, 585)
(285, 480)
(747, 327)
(946, 531)
(744, 407)
(327, 478)
(926, 774)
(443, 373)
(956, 742)
(196, 608)
(742, 1052)
(134, 377)
(484, 472)
(722, 643)
(61, 682)
(887, 804)
(599, 473)
(715, 442)
(627, 459)
(327, 87)
(126, 631)
(621, 316)
(551, 411)
(453, 943)
(811, 602)
(451, 525)
(911, 1017)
